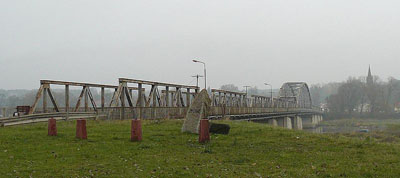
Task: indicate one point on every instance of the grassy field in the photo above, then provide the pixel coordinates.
(250, 150)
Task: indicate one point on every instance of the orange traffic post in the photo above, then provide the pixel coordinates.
(204, 133)
(52, 127)
(136, 130)
(81, 129)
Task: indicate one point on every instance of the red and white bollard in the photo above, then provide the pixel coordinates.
(136, 130)
(81, 129)
(204, 133)
(52, 127)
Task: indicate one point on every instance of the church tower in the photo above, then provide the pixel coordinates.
(370, 90)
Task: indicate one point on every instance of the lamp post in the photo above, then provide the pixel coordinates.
(246, 88)
(271, 88)
(205, 73)
(246, 99)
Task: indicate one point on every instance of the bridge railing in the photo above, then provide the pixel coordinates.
(179, 112)
(131, 112)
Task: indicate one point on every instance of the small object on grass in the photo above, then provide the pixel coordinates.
(204, 134)
(219, 128)
(136, 130)
(51, 127)
(81, 129)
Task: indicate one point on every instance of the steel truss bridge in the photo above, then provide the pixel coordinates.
(133, 98)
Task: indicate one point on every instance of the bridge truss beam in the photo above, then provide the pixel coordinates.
(166, 98)
(228, 98)
(86, 95)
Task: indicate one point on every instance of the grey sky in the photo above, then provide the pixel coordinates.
(243, 42)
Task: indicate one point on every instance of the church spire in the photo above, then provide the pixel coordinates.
(369, 77)
(369, 71)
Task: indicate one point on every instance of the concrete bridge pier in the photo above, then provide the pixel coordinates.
(320, 118)
(311, 121)
(297, 123)
(285, 122)
(273, 122)
(317, 119)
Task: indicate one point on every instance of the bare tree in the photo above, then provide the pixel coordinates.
(230, 87)
(348, 98)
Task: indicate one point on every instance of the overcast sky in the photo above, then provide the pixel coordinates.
(246, 42)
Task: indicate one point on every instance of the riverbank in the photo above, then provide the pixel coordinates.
(382, 130)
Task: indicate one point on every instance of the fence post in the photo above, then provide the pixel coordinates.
(52, 127)
(81, 129)
(204, 134)
(136, 130)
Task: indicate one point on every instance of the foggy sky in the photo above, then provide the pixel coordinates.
(243, 42)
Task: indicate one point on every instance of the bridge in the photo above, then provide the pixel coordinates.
(141, 99)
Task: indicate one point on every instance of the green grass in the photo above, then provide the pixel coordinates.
(250, 150)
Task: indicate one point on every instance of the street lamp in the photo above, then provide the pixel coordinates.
(271, 88)
(246, 88)
(205, 73)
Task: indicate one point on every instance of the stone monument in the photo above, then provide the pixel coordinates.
(199, 109)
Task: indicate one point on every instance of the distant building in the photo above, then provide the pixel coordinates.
(363, 108)
(369, 90)
(324, 107)
(397, 107)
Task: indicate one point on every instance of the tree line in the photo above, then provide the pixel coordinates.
(357, 96)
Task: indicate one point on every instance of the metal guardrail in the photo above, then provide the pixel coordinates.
(34, 118)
